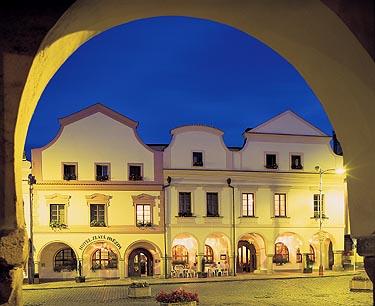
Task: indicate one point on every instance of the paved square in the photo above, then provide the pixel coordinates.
(304, 291)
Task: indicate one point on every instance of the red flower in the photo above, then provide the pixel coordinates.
(178, 295)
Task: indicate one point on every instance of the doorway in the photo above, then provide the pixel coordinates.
(140, 263)
(246, 258)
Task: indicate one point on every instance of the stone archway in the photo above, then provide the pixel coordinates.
(331, 60)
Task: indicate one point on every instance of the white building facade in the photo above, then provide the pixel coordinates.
(102, 197)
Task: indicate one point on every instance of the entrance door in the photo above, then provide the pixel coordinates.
(246, 258)
(140, 263)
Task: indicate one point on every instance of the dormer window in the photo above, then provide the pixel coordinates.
(271, 161)
(70, 172)
(135, 172)
(102, 172)
(296, 162)
(198, 159)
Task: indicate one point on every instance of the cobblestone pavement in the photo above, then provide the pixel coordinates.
(305, 291)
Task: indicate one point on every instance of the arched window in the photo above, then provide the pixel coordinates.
(312, 254)
(104, 259)
(65, 259)
(208, 254)
(281, 254)
(180, 254)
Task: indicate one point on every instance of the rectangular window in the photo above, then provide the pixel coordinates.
(57, 214)
(197, 159)
(70, 172)
(102, 172)
(280, 204)
(135, 173)
(97, 215)
(271, 161)
(212, 204)
(248, 205)
(143, 215)
(296, 162)
(184, 204)
(317, 205)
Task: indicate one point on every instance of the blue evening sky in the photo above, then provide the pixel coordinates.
(170, 71)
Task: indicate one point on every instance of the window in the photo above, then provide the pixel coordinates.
(212, 204)
(317, 205)
(180, 255)
(65, 259)
(70, 172)
(271, 161)
(311, 256)
(184, 204)
(135, 173)
(248, 205)
(104, 259)
(280, 204)
(281, 254)
(197, 159)
(102, 172)
(143, 215)
(208, 254)
(97, 215)
(57, 214)
(296, 162)
(298, 256)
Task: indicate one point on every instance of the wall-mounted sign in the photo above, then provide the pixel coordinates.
(100, 237)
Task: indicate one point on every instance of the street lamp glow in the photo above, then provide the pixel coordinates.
(340, 171)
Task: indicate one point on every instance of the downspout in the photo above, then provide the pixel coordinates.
(169, 179)
(229, 180)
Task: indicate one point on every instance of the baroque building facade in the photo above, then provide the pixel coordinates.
(114, 207)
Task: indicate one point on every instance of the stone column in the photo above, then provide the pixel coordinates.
(337, 266)
(270, 263)
(122, 268)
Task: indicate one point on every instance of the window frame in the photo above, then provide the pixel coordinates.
(98, 223)
(58, 221)
(75, 164)
(143, 222)
(100, 259)
(181, 212)
(180, 258)
(192, 158)
(279, 210)
(209, 255)
(141, 178)
(147, 200)
(96, 177)
(247, 204)
(272, 167)
(64, 267)
(291, 154)
(316, 213)
(207, 204)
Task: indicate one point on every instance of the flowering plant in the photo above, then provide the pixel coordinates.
(176, 296)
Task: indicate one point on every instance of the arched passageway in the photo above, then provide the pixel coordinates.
(330, 50)
(57, 260)
(288, 254)
(251, 253)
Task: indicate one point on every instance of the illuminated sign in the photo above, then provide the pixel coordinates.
(100, 237)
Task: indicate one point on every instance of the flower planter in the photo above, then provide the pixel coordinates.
(139, 292)
(193, 303)
(360, 285)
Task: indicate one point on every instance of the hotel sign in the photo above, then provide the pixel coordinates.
(100, 237)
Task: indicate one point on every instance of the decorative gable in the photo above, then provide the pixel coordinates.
(98, 198)
(144, 199)
(287, 123)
